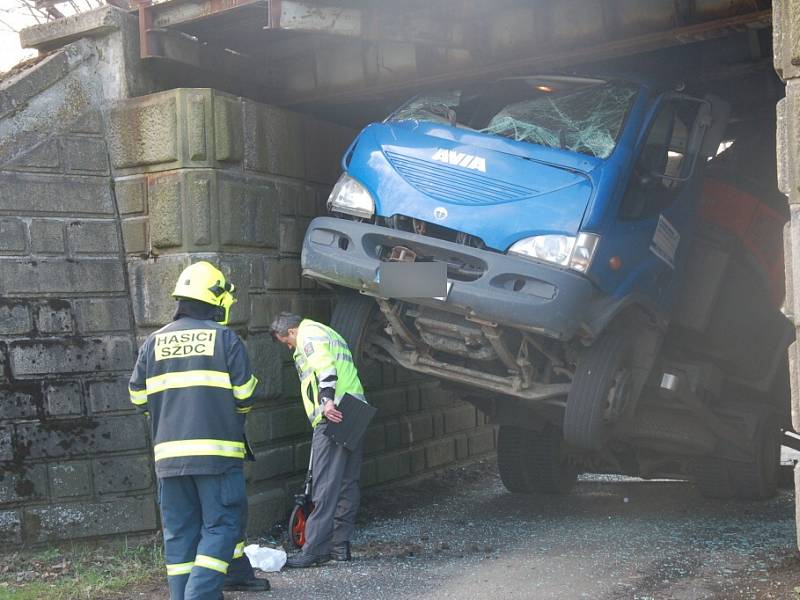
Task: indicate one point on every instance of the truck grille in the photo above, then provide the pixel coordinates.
(451, 184)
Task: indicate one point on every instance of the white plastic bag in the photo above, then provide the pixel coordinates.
(265, 559)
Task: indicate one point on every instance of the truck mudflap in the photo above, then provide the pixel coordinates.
(511, 291)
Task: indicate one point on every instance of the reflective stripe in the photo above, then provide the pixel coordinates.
(199, 448)
(183, 379)
(327, 384)
(306, 374)
(209, 562)
(180, 569)
(238, 552)
(138, 397)
(344, 357)
(315, 416)
(244, 410)
(243, 392)
(323, 374)
(316, 338)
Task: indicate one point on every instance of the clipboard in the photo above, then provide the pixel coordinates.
(357, 415)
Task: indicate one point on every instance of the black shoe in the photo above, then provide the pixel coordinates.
(250, 585)
(341, 552)
(301, 560)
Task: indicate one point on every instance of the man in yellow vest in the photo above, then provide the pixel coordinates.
(326, 370)
(193, 379)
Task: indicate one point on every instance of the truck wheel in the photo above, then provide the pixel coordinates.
(601, 391)
(352, 317)
(758, 480)
(711, 476)
(531, 462)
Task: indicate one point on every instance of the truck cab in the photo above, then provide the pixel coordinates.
(557, 216)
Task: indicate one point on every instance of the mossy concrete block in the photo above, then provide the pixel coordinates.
(152, 283)
(47, 236)
(393, 466)
(70, 479)
(15, 319)
(249, 213)
(27, 193)
(786, 38)
(93, 237)
(16, 404)
(27, 484)
(95, 315)
(272, 462)
(440, 453)
(10, 528)
(481, 441)
(34, 359)
(166, 211)
(459, 418)
(266, 364)
(54, 318)
(85, 155)
(144, 131)
(273, 141)
(58, 276)
(118, 474)
(184, 127)
(82, 436)
(131, 194)
(64, 399)
(13, 238)
(67, 521)
(109, 396)
(265, 508)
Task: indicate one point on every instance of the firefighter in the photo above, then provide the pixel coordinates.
(326, 370)
(193, 379)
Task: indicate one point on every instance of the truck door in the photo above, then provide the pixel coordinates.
(656, 210)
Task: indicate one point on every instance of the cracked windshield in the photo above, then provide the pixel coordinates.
(584, 116)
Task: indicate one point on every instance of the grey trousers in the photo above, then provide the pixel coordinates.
(336, 472)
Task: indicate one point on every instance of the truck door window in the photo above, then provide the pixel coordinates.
(663, 153)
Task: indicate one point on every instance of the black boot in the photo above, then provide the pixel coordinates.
(301, 560)
(341, 552)
(249, 585)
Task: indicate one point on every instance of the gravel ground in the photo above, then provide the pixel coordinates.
(461, 535)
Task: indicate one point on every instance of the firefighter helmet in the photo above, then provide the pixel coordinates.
(204, 282)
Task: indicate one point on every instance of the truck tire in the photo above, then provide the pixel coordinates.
(758, 480)
(712, 478)
(600, 389)
(351, 319)
(533, 462)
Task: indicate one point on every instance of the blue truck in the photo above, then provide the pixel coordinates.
(609, 308)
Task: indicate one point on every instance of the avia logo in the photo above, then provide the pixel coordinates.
(440, 213)
(460, 159)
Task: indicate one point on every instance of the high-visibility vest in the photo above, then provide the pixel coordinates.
(193, 377)
(322, 359)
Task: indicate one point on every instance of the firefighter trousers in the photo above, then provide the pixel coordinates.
(335, 492)
(201, 517)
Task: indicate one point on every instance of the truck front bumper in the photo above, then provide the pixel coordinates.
(510, 291)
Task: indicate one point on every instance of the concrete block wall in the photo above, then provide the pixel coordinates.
(202, 174)
(786, 46)
(74, 459)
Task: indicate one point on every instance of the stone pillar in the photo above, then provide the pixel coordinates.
(786, 43)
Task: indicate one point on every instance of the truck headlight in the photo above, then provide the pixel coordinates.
(350, 197)
(564, 250)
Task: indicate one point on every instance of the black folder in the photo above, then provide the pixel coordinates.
(356, 417)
